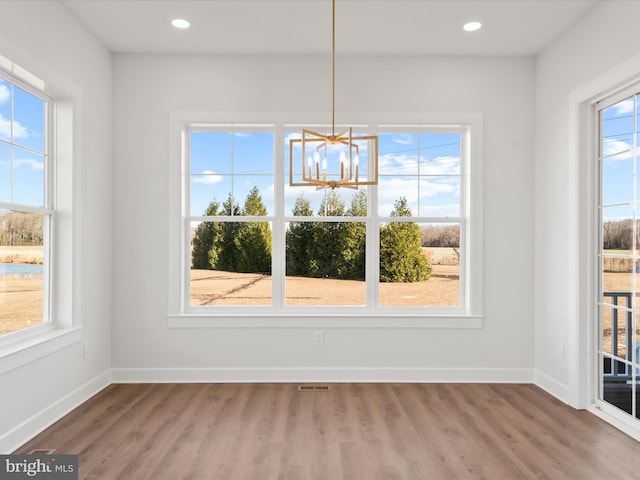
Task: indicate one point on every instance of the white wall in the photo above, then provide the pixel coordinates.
(602, 39)
(45, 39)
(148, 87)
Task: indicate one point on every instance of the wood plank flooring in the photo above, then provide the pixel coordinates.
(352, 431)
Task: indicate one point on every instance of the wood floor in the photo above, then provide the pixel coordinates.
(352, 431)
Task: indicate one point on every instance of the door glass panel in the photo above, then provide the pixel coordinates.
(619, 262)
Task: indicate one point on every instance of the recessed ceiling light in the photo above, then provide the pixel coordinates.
(180, 23)
(472, 26)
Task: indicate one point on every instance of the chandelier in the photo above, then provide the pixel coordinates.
(333, 160)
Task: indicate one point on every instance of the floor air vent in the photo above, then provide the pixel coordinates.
(42, 451)
(314, 388)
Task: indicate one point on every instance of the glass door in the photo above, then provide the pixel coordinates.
(618, 256)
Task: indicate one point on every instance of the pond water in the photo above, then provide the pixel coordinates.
(20, 269)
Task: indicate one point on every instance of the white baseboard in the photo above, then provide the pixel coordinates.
(28, 429)
(552, 386)
(335, 375)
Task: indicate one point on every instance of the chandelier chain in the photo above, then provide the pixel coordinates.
(333, 67)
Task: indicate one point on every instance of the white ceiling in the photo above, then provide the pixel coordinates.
(366, 27)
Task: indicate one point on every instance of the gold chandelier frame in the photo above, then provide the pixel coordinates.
(314, 173)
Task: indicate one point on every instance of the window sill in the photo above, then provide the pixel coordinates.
(19, 353)
(326, 321)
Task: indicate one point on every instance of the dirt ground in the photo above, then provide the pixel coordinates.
(21, 297)
(224, 288)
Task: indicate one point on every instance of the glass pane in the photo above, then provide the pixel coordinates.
(392, 189)
(253, 153)
(297, 156)
(29, 125)
(618, 284)
(254, 194)
(439, 197)
(617, 179)
(398, 154)
(231, 263)
(5, 171)
(617, 123)
(617, 152)
(209, 193)
(304, 201)
(617, 231)
(606, 330)
(636, 343)
(5, 109)
(325, 263)
(21, 270)
(440, 154)
(618, 393)
(28, 177)
(419, 264)
(623, 333)
(211, 153)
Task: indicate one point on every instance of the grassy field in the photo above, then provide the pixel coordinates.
(28, 254)
(20, 302)
(21, 296)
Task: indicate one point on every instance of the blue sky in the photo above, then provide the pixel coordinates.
(22, 164)
(424, 168)
(621, 123)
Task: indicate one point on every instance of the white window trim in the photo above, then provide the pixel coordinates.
(27, 345)
(338, 317)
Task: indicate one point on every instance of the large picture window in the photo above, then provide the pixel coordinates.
(255, 244)
(26, 213)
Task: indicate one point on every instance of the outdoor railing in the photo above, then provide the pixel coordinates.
(616, 370)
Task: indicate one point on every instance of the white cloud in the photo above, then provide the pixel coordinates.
(617, 150)
(208, 177)
(440, 210)
(30, 162)
(404, 139)
(5, 94)
(397, 164)
(18, 130)
(443, 166)
(403, 164)
(624, 107)
(390, 190)
(431, 188)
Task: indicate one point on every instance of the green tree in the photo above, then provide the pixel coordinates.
(299, 240)
(204, 238)
(328, 238)
(401, 257)
(225, 251)
(351, 264)
(253, 239)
